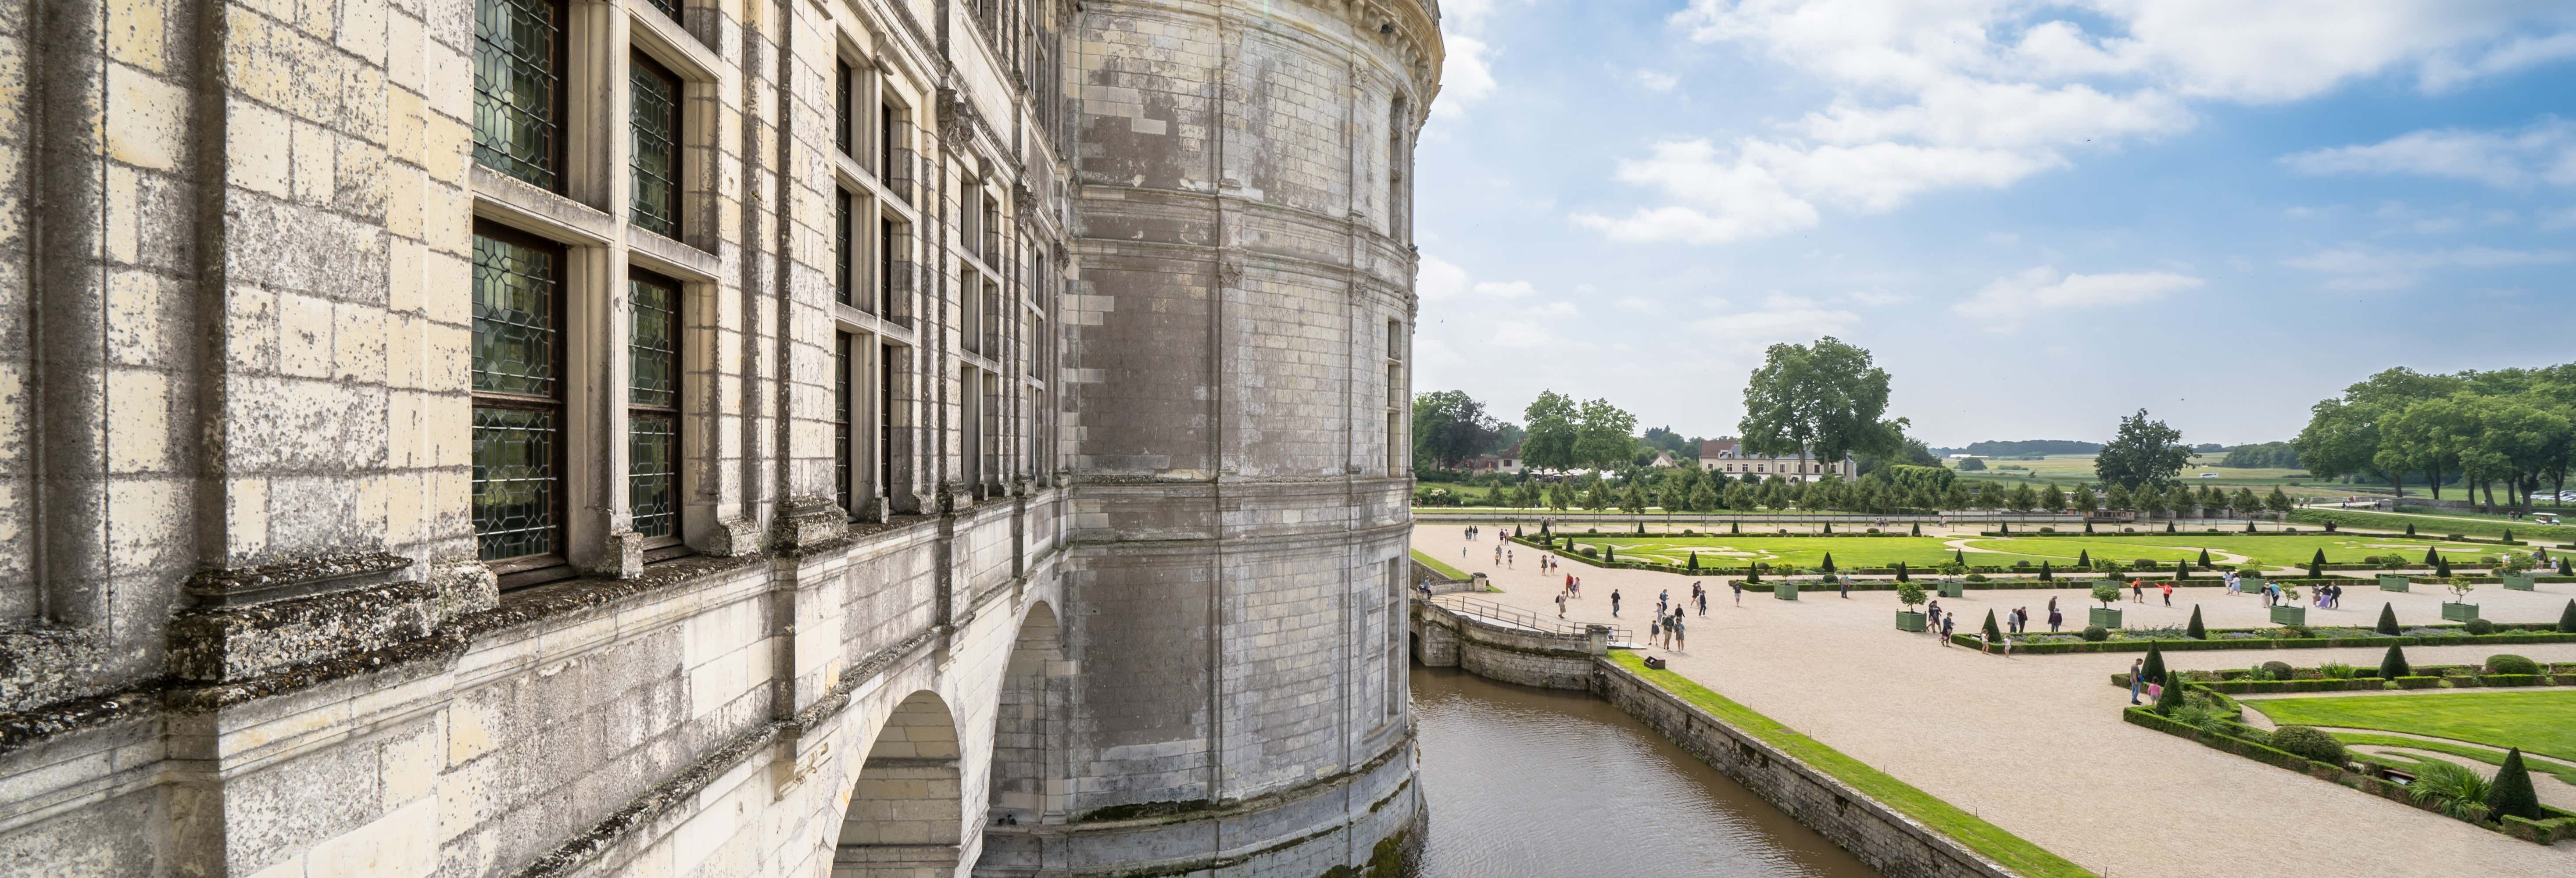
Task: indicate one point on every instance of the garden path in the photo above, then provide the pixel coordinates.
(2036, 744)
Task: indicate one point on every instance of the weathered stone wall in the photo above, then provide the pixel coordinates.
(1445, 637)
(243, 629)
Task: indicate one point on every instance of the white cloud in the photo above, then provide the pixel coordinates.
(1781, 318)
(1519, 289)
(2542, 152)
(1654, 81)
(2014, 299)
(1981, 94)
(1632, 303)
(2355, 268)
(1466, 74)
(1440, 279)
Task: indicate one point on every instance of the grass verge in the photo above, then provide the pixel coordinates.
(2535, 721)
(1437, 567)
(1968, 829)
(2564, 771)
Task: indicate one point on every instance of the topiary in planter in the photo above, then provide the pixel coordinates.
(2388, 619)
(2478, 626)
(2511, 664)
(2094, 633)
(2154, 670)
(2510, 792)
(2393, 665)
(2308, 742)
(2194, 631)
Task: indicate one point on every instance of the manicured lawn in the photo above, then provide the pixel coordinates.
(1438, 567)
(2273, 550)
(1968, 829)
(2564, 771)
(1737, 551)
(2541, 722)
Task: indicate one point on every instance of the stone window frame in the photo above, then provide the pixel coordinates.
(542, 566)
(1398, 452)
(876, 314)
(661, 547)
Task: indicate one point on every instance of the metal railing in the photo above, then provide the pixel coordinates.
(1530, 619)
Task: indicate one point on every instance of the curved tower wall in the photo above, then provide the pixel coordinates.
(1237, 388)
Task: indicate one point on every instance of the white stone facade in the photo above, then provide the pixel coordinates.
(1728, 457)
(1037, 483)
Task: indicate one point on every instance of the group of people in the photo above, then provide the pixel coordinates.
(1666, 629)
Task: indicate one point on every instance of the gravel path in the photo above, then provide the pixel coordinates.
(2035, 743)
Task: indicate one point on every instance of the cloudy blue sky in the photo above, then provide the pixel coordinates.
(2039, 216)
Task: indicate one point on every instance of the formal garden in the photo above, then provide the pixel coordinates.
(1873, 550)
(2471, 756)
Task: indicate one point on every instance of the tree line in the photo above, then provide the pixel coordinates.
(2513, 429)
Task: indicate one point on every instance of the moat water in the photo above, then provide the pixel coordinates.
(1530, 782)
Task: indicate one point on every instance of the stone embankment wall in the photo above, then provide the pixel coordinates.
(1888, 841)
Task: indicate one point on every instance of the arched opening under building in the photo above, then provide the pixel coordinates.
(907, 811)
(1025, 758)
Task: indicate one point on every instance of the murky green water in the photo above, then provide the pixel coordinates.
(1529, 782)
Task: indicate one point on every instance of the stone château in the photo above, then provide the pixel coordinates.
(706, 437)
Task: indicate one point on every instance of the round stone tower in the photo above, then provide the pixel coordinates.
(1237, 380)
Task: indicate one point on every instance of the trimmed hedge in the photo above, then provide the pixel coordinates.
(2280, 642)
(2557, 825)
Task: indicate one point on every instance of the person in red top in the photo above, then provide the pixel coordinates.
(2169, 593)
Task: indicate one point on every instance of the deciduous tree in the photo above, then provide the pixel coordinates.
(2143, 452)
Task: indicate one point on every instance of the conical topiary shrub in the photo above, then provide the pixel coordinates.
(2249, 527)
(2317, 565)
(2442, 567)
(1755, 574)
(2170, 699)
(1918, 528)
(1959, 555)
(2194, 631)
(1609, 553)
(2410, 531)
(2567, 618)
(1900, 572)
(2044, 574)
(2204, 559)
(2510, 792)
(2154, 672)
(1829, 527)
(2388, 619)
(1993, 634)
(2393, 665)
(1735, 527)
(2169, 527)
(1828, 566)
(2083, 558)
(2004, 528)
(2088, 527)
(2508, 536)
(1694, 562)
(2565, 569)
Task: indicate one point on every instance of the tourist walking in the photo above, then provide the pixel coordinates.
(1560, 605)
(1945, 630)
(1935, 612)
(1676, 628)
(1738, 585)
(1703, 603)
(1846, 584)
(1614, 603)
(1655, 629)
(2137, 590)
(2168, 593)
(2055, 618)
(2137, 678)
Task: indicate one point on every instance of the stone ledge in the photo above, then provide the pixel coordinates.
(286, 579)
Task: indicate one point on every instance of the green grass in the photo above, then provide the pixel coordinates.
(2541, 722)
(1437, 567)
(1737, 551)
(2425, 524)
(1967, 829)
(2270, 550)
(2564, 771)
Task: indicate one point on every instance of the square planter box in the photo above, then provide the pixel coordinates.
(2520, 581)
(2104, 617)
(1954, 589)
(2459, 612)
(2289, 615)
(1787, 591)
(1906, 621)
(2393, 582)
(2249, 584)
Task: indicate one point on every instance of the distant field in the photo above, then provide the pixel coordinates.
(2069, 469)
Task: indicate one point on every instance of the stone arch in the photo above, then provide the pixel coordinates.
(1027, 762)
(907, 810)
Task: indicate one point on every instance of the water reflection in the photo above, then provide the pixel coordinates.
(1528, 782)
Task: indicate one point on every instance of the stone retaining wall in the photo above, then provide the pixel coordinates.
(1443, 637)
(1889, 842)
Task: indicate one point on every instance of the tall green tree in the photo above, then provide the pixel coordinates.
(1603, 439)
(1554, 421)
(2022, 499)
(1448, 427)
(2051, 499)
(2083, 501)
(1823, 400)
(2143, 452)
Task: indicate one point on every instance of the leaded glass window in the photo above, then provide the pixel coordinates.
(842, 280)
(653, 400)
(518, 407)
(844, 94)
(841, 433)
(518, 89)
(654, 114)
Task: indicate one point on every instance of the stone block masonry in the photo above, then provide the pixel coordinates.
(705, 437)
